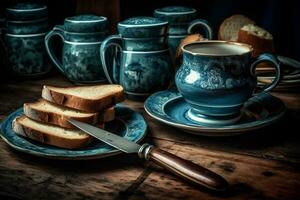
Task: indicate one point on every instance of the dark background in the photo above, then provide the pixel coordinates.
(279, 17)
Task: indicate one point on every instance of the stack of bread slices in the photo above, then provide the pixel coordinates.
(46, 120)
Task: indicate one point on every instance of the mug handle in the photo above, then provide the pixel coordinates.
(203, 24)
(57, 31)
(267, 57)
(113, 40)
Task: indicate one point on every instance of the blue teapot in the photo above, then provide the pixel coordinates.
(142, 62)
(82, 36)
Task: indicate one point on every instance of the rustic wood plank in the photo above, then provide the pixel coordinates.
(249, 177)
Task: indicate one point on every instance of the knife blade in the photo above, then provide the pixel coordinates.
(179, 166)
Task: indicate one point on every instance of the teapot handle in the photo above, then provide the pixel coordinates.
(203, 24)
(57, 31)
(113, 40)
(267, 57)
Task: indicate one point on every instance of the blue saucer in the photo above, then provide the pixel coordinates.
(170, 108)
(128, 123)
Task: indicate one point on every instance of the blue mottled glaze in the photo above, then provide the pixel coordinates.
(215, 85)
(128, 123)
(139, 72)
(142, 27)
(80, 55)
(145, 73)
(81, 63)
(174, 42)
(26, 55)
(26, 11)
(145, 44)
(27, 27)
(169, 107)
(86, 24)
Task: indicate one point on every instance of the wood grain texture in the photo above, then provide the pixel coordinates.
(263, 164)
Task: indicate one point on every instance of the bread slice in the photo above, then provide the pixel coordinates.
(50, 134)
(47, 112)
(230, 27)
(85, 98)
(260, 39)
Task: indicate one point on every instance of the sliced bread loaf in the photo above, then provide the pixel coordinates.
(230, 27)
(47, 112)
(260, 39)
(50, 134)
(85, 98)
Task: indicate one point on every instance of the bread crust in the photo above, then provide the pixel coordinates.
(47, 138)
(88, 105)
(229, 23)
(260, 45)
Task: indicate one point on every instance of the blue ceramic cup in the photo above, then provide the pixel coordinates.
(182, 22)
(217, 78)
(141, 62)
(81, 36)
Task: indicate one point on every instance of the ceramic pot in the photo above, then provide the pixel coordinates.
(25, 28)
(80, 61)
(218, 77)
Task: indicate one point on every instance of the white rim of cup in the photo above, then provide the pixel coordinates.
(249, 47)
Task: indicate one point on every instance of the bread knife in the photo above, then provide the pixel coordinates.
(179, 166)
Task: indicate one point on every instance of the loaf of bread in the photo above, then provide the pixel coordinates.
(47, 112)
(230, 27)
(260, 39)
(85, 98)
(50, 134)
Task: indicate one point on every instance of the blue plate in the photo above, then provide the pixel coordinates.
(128, 123)
(170, 108)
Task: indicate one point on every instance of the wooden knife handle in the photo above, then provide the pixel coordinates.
(186, 169)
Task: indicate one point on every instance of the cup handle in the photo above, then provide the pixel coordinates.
(267, 57)
(203, 24)
(57, 31)
(113, 40)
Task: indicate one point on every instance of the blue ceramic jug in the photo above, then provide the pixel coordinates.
(81, 36)
(143, 64)
(25, 28)
(182, 22)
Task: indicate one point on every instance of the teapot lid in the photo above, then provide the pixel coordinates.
(86, 24)
(176, 14)
(142, 21)
(26, 11)
(142, 27)
(175, 10)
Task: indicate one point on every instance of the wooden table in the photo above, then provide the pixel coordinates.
(263, 164)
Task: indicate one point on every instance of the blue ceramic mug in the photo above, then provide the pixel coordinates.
(182, 22)
(141, 61)
(217, 78)
(81, 36)
(25, 28)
